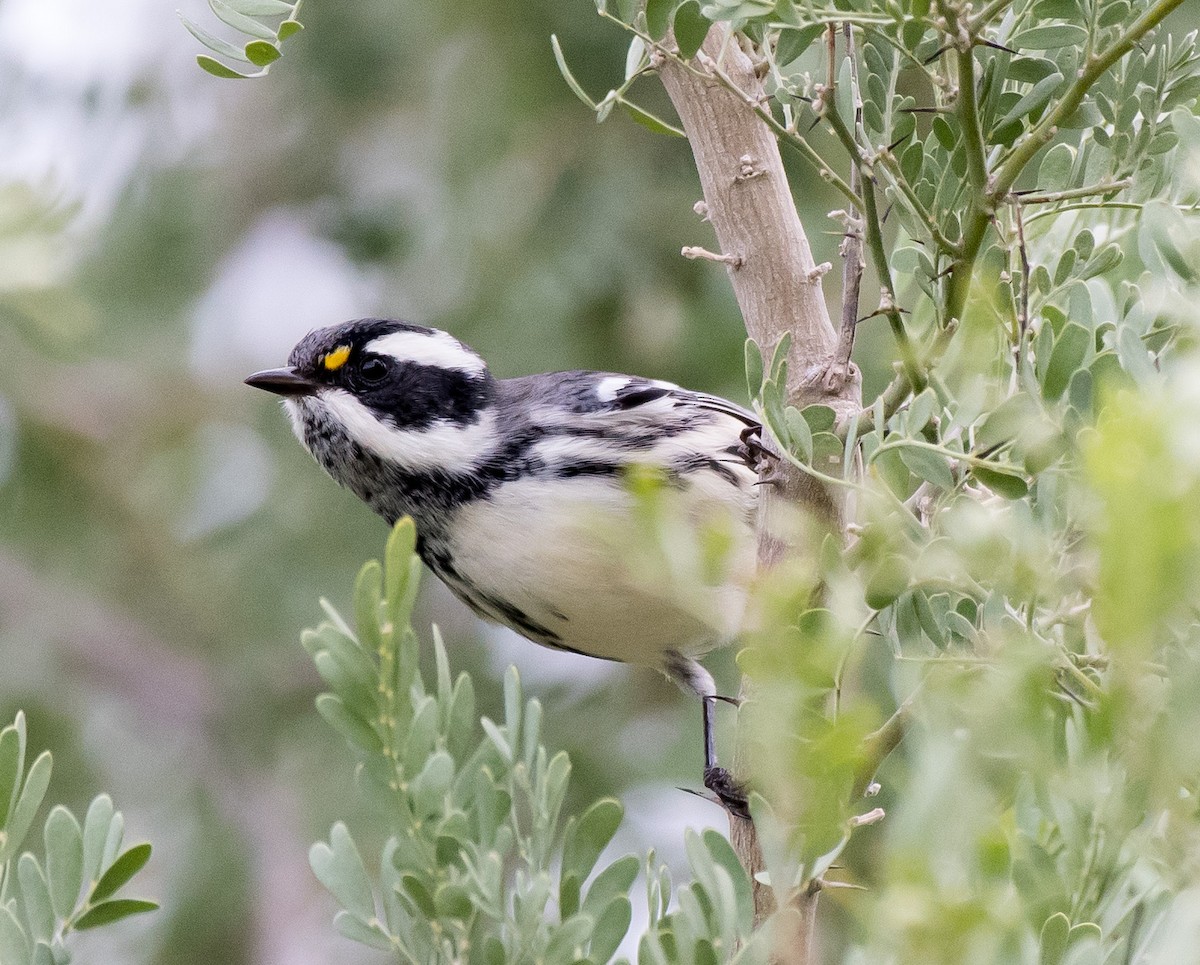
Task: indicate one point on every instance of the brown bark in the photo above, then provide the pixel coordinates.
(778, 289)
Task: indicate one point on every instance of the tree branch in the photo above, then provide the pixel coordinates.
(778, 290)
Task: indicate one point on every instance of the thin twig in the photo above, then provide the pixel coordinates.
(1023, 311)
(827, 109)
(851, 249)
(1053, 197)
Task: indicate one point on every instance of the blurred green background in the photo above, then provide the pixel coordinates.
(163, 539)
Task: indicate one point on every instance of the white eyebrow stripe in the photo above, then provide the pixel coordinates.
(608, 387)
(444, 444)
(433, 348)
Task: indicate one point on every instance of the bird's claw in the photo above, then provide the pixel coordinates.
(730, 794)
(754, 452)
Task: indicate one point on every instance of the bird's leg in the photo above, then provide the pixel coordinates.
(692, 677)
(717, 779)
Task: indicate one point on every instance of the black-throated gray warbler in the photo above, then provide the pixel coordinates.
(520, 491)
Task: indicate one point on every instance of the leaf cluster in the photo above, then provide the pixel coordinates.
(267, 24)
(74, 885)
(481, 860)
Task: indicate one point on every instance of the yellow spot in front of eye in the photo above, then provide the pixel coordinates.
(337, 358)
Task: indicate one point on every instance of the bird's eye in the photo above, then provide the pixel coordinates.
(373, 370)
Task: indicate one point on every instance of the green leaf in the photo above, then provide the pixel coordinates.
(590, 836)
(1135, 360)
(28, 802)
(610, 930)
(568, 939)
(778, 368)
(120, 871)
(345, 666)
(1103, 261)
(369, 933)
(64, 859)
(794, 41)
(110, 911)
(497, 738)
(35, 896)
(262, 52)
(428, 789)
(95, 833)
(820, 418)
(1053, 941)
(422, 900)
(921, 410)
(724, 856)
(1029, 70)
(352, 727)
(112, 841)
(959, 624)
(1005, 422)
(1001, 483)
(1049, 37)
(568, 895)
(1070, 349)
(14, 943)
(1034, 100)
(288, 28)
(926, 618)
(754, 370)
(218, 69)
(658, 17)
(572, 83)
(513, 700)
(927, 465)
(798, 433)
(691, 27)
(401, 574)
(240, 22)
(886, 582)
(1054, 173)
(453, 901)
(214, 43)
(911, 162)
(10, 766)
(650, 121)
(261, 8)
(339, 867)
(614, 880)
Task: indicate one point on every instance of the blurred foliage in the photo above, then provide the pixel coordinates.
(71, 888)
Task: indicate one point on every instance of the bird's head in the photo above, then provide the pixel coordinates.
(415, 397)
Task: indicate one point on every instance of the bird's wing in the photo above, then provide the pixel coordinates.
(596, 422)
(638, 392)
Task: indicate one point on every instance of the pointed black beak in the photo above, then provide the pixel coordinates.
(285, 381)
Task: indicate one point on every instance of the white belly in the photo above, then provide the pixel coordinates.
(610, 575)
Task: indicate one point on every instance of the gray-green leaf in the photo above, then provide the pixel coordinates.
(339, 867)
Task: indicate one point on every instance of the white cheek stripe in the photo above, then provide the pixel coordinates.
(442, 445)
(434, 348)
